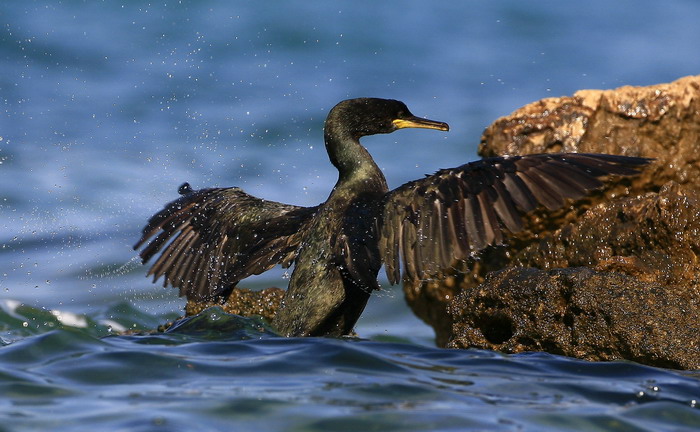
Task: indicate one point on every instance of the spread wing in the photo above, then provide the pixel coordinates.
(457, 212)
(210, 239)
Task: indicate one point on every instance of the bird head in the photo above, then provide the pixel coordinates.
(369, 116)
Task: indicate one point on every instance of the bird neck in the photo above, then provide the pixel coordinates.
(355, 165)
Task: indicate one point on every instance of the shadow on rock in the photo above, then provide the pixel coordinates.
(581, 313)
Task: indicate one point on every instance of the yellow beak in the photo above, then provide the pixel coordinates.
(417, 122)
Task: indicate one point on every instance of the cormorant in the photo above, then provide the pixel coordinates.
(212, 238)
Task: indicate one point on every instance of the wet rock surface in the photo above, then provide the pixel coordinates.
(637, 298)
(644, 228)
(581, 313)
(244, 302)
(654, 237)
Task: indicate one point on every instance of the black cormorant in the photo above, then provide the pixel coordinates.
(213, 238)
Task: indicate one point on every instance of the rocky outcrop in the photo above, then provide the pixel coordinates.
(637, 298)
(581, 313)
(660, 121)
(648, 236)
(654, 237)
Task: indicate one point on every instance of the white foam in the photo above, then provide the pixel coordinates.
(70, 319)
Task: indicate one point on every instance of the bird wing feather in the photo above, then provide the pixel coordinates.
(454, 213)
(210, 239)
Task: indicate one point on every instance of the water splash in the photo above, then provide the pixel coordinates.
(129, 266)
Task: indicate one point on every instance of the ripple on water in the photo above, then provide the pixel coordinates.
(187, 378)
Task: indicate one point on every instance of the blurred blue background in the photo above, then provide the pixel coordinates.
(106, 107)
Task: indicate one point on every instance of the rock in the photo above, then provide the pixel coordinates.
(654, 237)
(661, 121)
(244, 302)
(580, 313)
(638, 299)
